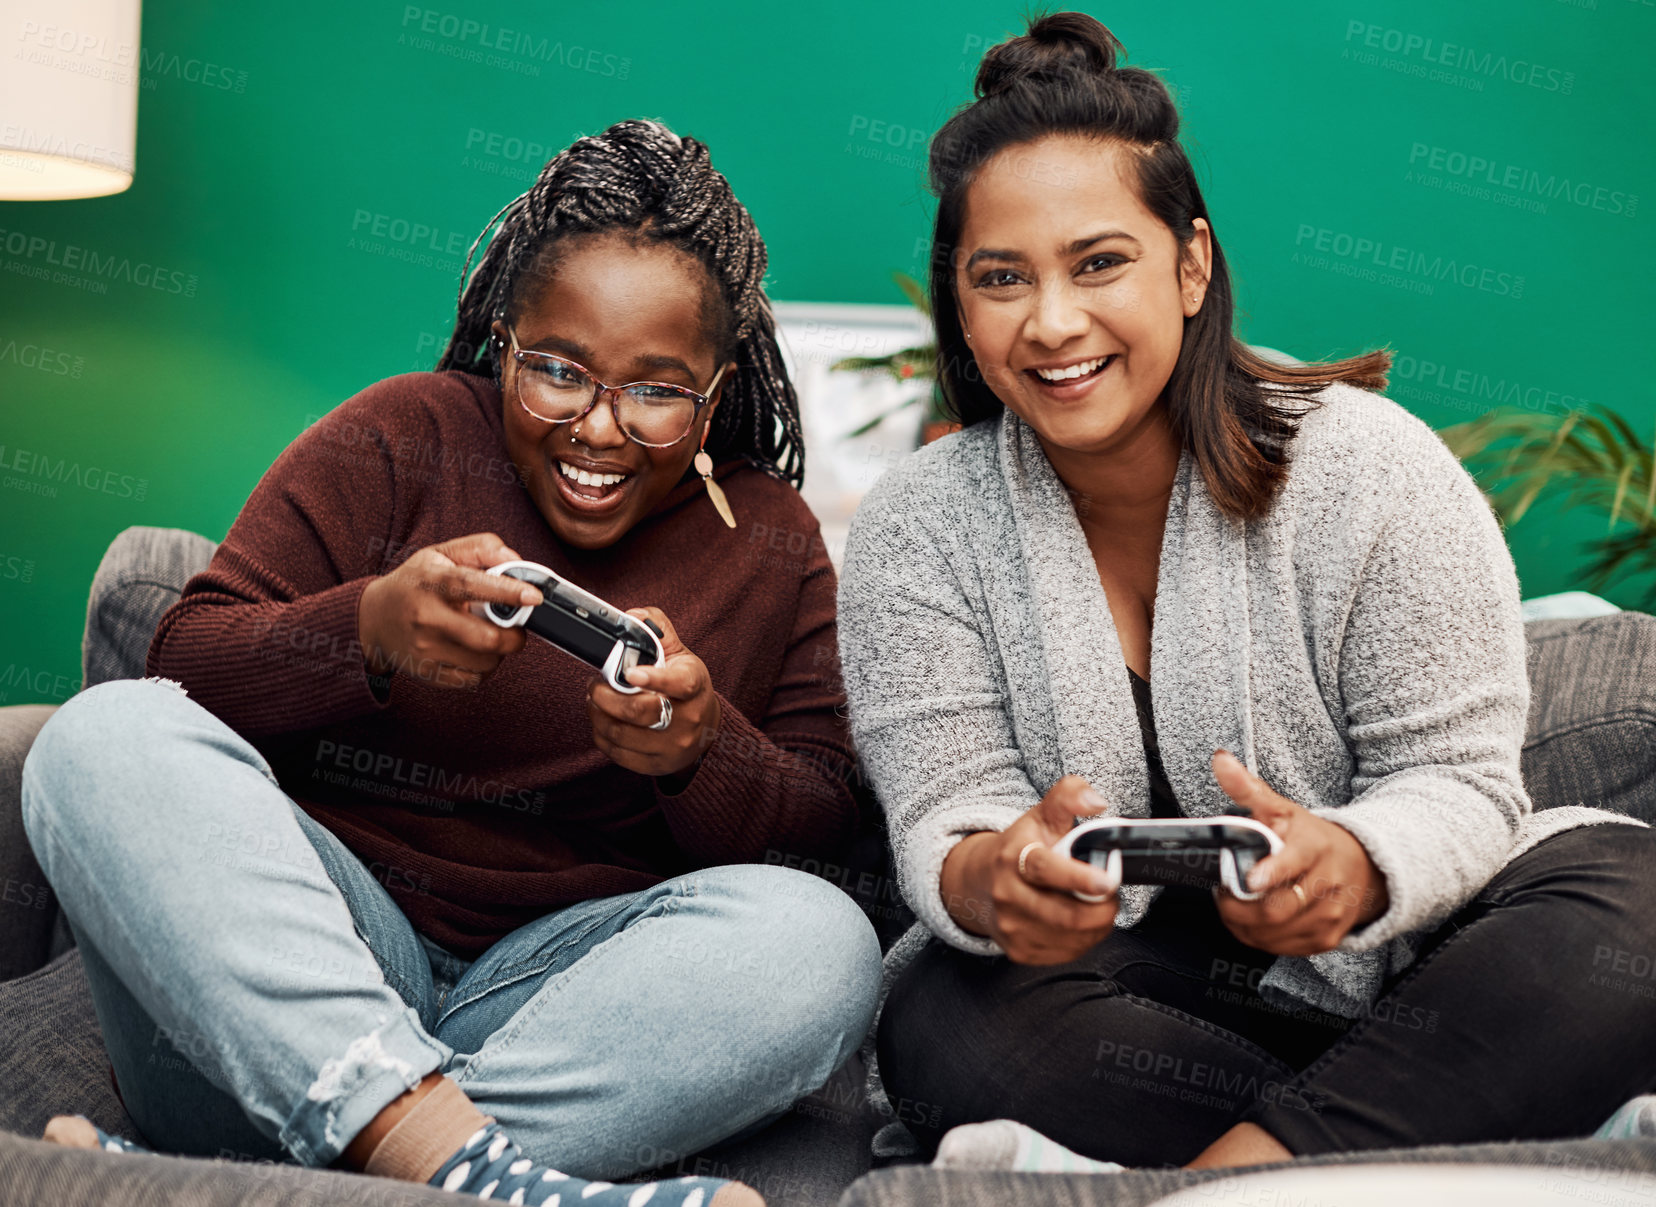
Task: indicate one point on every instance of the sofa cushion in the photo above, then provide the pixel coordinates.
(1564, 1171)
(28, 908)
(1415, 1184)
(52, 1060)
(1592, 725)
(34, 1173)
(140, 577)
(806, 1158)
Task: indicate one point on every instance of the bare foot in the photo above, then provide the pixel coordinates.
(71, 1131)
(1244, 1144)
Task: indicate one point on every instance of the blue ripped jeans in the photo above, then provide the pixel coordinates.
(261, 995)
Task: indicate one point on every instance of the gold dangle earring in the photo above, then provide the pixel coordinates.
(704, 467)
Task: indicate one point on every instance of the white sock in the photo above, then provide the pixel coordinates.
(1005, 1144)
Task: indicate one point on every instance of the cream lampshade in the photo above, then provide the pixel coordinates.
(68, 97)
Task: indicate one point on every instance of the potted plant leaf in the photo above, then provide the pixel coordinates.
(907, 364)
(1589, 457)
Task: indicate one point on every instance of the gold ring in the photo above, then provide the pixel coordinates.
(1300, 893)
(1023, 860)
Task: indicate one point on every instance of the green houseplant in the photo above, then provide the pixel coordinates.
(1590, 457)
(906, 364)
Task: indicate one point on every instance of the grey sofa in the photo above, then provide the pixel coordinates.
(1591, 732)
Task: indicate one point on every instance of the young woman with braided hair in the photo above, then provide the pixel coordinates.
(412, 893)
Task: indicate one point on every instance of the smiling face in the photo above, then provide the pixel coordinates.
(1072, 292)
(627, 311)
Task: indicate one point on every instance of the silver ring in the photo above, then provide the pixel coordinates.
(1023, 860)
(666, 714)
(1300, 893)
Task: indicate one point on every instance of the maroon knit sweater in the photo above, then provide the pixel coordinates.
(482, 810)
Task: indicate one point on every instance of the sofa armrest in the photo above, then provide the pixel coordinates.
(28, 907)
(1531, 1172)
(140, 577)
(1591, 735)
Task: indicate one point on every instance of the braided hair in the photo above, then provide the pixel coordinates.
(643, 181)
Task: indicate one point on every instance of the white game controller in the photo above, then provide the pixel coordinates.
(579, 623)
(1202, 851)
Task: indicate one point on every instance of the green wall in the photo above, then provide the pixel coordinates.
(273, 141)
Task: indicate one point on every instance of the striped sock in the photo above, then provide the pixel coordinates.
(490, 1166)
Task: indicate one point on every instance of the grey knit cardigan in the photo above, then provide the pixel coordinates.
(1360, 646)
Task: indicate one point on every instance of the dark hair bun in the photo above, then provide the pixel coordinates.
(1057, 47)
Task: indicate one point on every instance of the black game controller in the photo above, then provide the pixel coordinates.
(1202, 851)
(579, 623)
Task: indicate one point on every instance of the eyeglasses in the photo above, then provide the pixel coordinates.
(656, 414)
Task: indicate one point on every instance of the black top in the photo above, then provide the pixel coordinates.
(1162, 801)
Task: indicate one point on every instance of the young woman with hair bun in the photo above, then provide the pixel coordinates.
(1160, 574)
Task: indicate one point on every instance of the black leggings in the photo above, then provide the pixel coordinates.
(1530, 1014)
